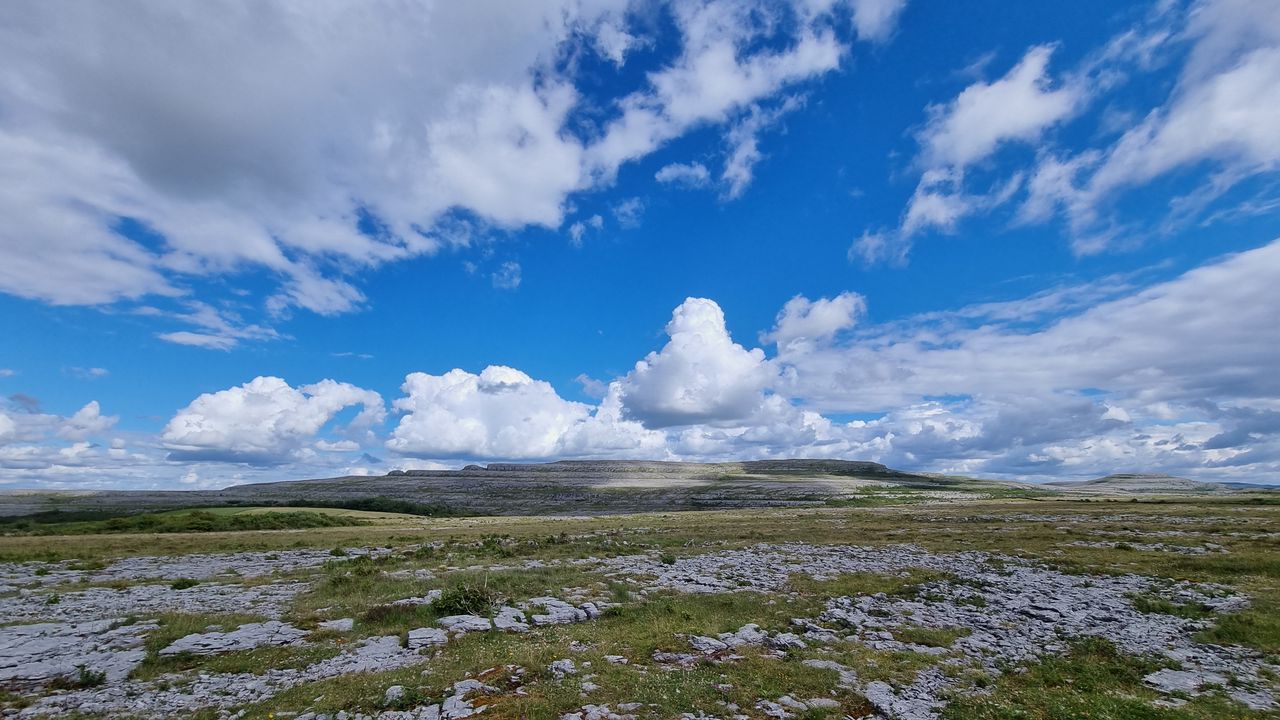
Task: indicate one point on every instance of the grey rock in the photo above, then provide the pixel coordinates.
(556, 612)
(245, 637)
(459, 624)
(510, 619)
(340, 625)
(707, 645)
(426, 637)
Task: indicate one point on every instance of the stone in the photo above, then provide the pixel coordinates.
(246, 637)
(556, 612)
(561, 668)
(1174, 681)
(749, 634)
(705, 644)
(510, 619)
(340, 625)
(787, 641)
(394, 694)
(427, 637)
(460, 624)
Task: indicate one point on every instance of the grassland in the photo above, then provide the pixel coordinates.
(466, 554)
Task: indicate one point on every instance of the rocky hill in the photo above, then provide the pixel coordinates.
(580, 487)
(1142, 483)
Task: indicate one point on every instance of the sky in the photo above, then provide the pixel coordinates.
(275, 240)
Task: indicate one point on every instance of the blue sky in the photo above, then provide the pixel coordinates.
(1014, 240)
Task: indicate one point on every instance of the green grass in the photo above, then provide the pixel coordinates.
(1154, 604)
(1257, 627)
(189, 521)
(173, 626)
(1093, 681)
(932, 637)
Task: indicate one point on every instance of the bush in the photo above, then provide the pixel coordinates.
(466, 600)
(184, 583)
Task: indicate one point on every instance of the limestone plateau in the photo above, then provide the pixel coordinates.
(596, 487)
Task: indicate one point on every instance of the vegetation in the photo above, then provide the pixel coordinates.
(192, 521)
(1093, 681)
(384, 504)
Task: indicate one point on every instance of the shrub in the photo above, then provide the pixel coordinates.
(466, 600)
(184, 583)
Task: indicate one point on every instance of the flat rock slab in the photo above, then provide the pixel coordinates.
(104, 602)
(245, 637)
(465, 623)
(426, 638)
(34, 655)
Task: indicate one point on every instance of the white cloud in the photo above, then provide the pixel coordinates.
(8, 428)
(1223, 110)
(265, 420)
(1165, 343)
(875, 19)
(507, 276)
(720, 72)
(89, 373)
(744, 145)
(1073, 381)
(216, 329)
(629, 212)
(86, 422)
(202, 340)
(802, 321)
(579, 229)
(263, 141)
(7, 372)
(699, 376)
(1018, 106)
(684, 174)
(985, 116)
(879, 246)
(504, 414)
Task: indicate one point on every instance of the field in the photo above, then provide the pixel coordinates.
(908, 606)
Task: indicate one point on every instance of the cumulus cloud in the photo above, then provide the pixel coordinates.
(803, 321)
(265, 420)
(700, 375)
(503, 413)
(1118, 374)
(87, 421)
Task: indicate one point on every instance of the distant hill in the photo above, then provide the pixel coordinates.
(599, 487)
(1142, 483)
(575, 487)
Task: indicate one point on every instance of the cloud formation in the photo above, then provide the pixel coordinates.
(700, 376)
(145, 148)
(264, 421)
(1078, 381)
